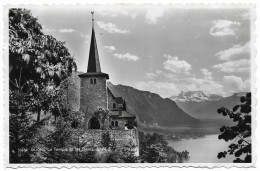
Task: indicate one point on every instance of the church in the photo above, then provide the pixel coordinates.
(95, 95)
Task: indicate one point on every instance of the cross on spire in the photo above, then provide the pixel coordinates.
(92, 13)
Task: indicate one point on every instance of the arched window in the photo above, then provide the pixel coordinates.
(116, 123)
(112, 123)
(114, 105)
(91, 81)
(95, 81)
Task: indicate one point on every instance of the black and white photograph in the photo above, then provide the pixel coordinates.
(130, 84)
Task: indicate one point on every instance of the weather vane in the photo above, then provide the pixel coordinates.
(92, 13)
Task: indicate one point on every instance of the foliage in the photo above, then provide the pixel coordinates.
(131, 124)
(56, 143)
(154, 149)
(128, 153)
(38, 63)
(107, 142)
(114, 157)
(108, 156)
(241, 115)
(22, 130)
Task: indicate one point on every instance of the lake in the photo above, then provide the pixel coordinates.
(203, 150)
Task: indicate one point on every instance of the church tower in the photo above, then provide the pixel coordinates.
(93, 88)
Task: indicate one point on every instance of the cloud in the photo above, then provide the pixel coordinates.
(164, 89)
(45, 29)
(158, 72)
(111, 28)
(150, 75)
(236, 84)
(110, 48)
(114, 12)
(234, 81)
(167, 89)
(245, 15)
(234, 52)
(65, 30)
(228, 86)
(223, 28)
(86, 37)
(175, 65)
(204, 85)
(153, 14)
(241, 65)
(246, 86)
(126, 56)
(207, 74)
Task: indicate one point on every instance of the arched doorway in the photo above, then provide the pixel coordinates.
(93, 123)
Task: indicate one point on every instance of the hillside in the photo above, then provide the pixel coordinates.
(210, 110)
(203, 106)
(151, 108)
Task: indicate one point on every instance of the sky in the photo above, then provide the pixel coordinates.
(161, 49)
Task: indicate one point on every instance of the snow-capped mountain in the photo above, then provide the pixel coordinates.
(204, 106)
(195, 96)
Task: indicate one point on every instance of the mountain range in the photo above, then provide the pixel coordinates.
(204, 106)
(149, 108)
(153, 110)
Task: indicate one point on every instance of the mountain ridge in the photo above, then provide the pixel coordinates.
(195, 96)
(150, 108)
(206, 108)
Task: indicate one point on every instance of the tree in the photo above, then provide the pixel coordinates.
(128, 153)
(154, 149)
(22, 130)
(56, 143)
(102, 115)
(38, 63)
(107, 142)
(240, 132)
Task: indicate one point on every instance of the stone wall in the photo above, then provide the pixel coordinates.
(93, 96)
(111, 100)
(121, 123)
(122, 137)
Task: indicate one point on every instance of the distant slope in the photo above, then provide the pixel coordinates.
(210, 110)
(192, 100)
(202, 106)
(149, 108)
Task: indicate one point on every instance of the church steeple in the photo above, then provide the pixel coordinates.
(93, 60)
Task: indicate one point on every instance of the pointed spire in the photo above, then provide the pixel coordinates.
(93, 60)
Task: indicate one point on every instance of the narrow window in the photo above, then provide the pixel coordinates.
(95, 81)
(116, 124)
(114, 105)
(112, 123)
(91, 81)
